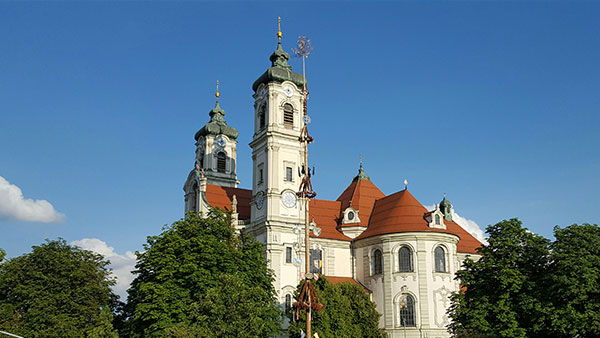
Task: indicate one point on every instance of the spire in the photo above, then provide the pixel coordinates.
(280, 70)
(361, 173)
(279, 35)
(217, 124)
(217, 112)
(279, 58)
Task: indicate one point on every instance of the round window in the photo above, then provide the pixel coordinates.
(351, 215)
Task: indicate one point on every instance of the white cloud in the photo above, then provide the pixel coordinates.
(14, 205)
(122, 265)
(468, 224)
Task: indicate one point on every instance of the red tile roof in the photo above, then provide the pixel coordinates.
(326, 215)
(401, 212)
(220, 197)
(363, 194)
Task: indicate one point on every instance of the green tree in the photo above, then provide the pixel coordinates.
(199, 279)
(2, 254)
(575, 281)
(57, 290)
(348, 312)
(505, 289)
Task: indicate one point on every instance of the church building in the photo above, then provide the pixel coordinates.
(405, 255)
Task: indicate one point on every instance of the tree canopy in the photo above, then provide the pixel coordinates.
(524, 285)
(2, 254)
(199, 279)
(57, 290)
(575, 281)
(348, 312)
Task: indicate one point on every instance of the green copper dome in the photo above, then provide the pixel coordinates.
(361, 175)
(446, 209)
(280, 70)
(217, 125)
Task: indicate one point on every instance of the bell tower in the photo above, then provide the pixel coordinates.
(216, 150)
(276, 151)
(276, 211)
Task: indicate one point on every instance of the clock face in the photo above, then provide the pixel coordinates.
(289, 199)
(220, 142)
(260, 201)
(287, 90)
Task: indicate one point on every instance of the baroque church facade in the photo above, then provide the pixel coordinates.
(403, 254)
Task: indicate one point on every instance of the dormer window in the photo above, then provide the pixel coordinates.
(350, 215)
(435, 219)
(288, 115)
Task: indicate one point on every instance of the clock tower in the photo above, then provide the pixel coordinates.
(277, 214)
(216, 150)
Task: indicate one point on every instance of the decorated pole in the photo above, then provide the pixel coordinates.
(308, 299)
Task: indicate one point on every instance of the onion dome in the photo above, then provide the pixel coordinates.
(217, 124)
(280, 70)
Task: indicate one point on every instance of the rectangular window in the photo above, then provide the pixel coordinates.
(288, 174)
(221, 164)
(288, 119)
(288, 254)
(288, 115)
(260, 174)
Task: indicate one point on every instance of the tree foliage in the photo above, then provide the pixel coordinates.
(348, 312)
(2, 254)
(57, 290)
(199, 279)
(575, 281)
(524, 285)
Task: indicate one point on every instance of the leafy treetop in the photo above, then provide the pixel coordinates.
(57, 290)
(197, 277)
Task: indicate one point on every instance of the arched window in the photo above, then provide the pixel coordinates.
(288, 301)
(193, 200)
(440, 259)
(376, 264)
(261, 117)
(288, 115)
(437, 219)
(406, 310)
(221, 158)
(405, 259)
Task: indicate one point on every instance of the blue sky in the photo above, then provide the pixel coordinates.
(495, 103)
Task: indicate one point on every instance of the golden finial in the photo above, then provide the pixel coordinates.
(279, 35)
(217, 93)
(405, 184)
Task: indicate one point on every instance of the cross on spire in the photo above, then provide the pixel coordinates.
(279, 35)
(217, 93)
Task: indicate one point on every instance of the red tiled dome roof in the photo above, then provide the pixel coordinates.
(401, 212)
